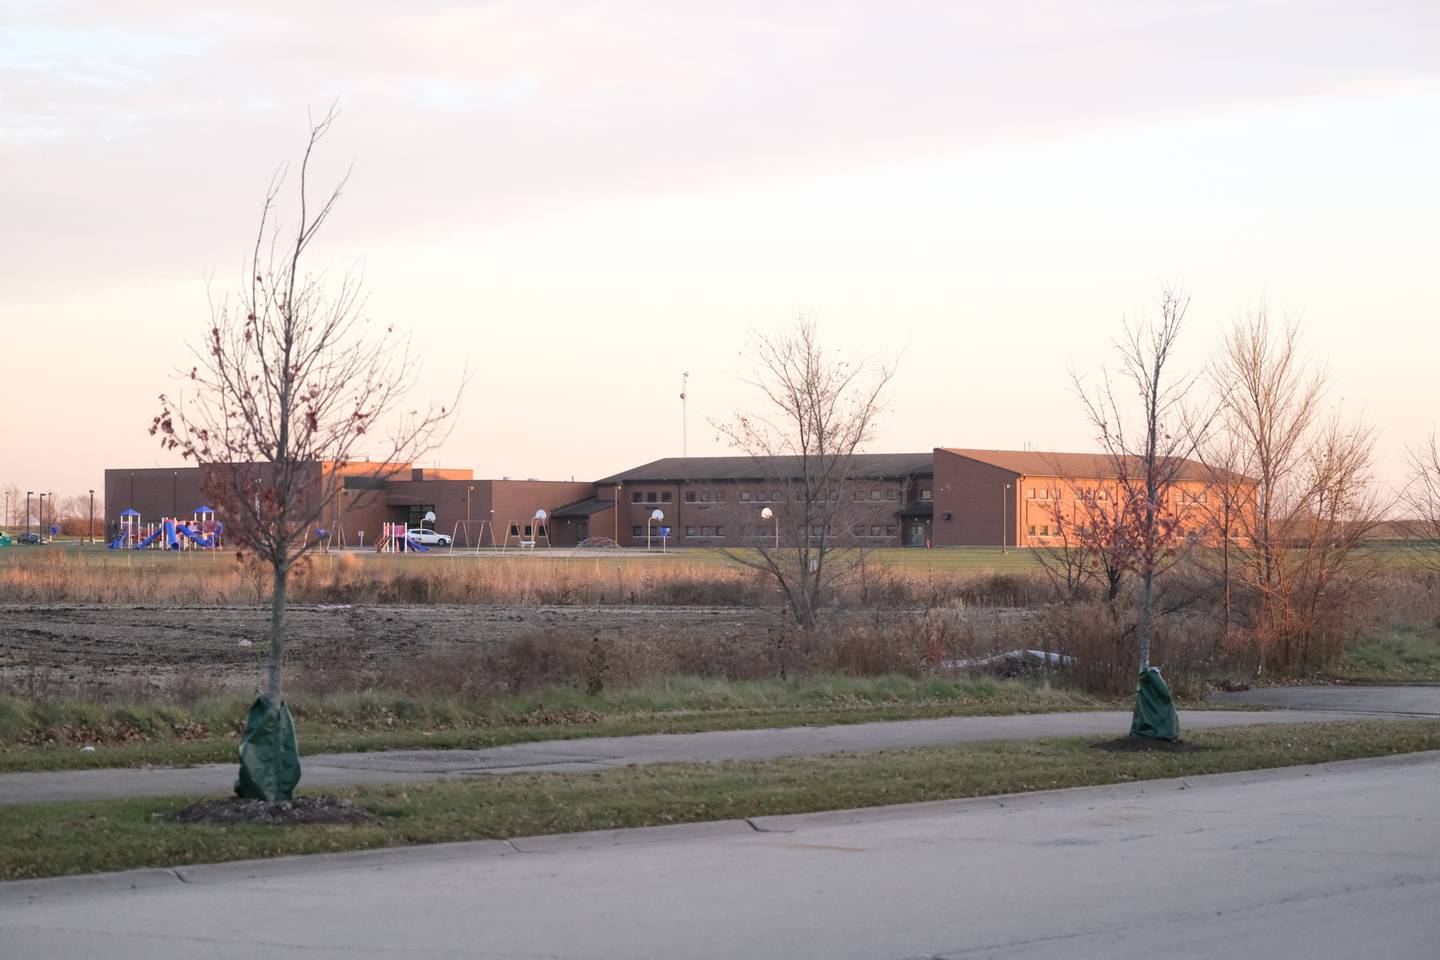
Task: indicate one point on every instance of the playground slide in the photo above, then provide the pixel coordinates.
(149, 540)
(199, 539)
(118, 543)
(417, 545)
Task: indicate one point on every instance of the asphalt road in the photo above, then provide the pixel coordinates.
(1341, 861)
(600, 753)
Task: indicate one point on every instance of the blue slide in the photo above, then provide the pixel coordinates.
(416, 545)
(149, 540)
(200, 540)
(118, 543)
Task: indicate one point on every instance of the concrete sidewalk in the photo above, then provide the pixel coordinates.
(602, 753)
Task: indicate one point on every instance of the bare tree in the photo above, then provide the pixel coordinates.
(1139, 529)
(288, 388)
(1312, 500)
(817, 413)
(1421, 500)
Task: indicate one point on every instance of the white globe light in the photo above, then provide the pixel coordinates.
(767, 513)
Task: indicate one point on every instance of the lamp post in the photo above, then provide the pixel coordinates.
(7, 508)
(41, 519)
(90, 525)
(27, 510)
(1005, 520)
(768, 514)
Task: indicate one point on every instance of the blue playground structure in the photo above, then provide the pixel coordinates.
(203, 532)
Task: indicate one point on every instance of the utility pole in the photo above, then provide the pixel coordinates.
(90, 526)
(27, 510)
(684, 416)
(1005, 520)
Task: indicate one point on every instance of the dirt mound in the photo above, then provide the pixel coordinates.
(1134, 744)
(300, 810)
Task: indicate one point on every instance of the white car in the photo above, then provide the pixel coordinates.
(429, 538)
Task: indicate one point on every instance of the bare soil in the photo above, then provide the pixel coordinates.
(322, 809)
(135, 649)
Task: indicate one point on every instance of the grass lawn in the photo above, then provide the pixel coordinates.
(42, 840)
(47, 735)
(1408, 654)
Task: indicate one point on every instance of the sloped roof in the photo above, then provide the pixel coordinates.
(582, 508)
(1089, 466)
(869, 466)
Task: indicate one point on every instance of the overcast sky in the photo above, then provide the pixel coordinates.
(583, 200)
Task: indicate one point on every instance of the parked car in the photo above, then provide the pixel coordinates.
(31, 538)
(429, 538)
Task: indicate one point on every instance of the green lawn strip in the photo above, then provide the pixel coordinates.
(151, 734)
(39, 840)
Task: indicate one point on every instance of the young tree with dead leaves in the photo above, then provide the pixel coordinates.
(816, 414)
(1314, 499)
(1421, 501)
(291, 384)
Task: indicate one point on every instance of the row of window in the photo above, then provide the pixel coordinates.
(1095, 494)
(768, 496)
(702, 532)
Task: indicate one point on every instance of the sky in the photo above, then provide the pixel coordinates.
(579, 202)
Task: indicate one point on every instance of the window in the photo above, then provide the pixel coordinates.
(925, 493)
(892, 494)
(1044, 530)
(1031, 530)
(637, 532)
(875, 494)
(666, 497)
(689, 496)
(744, 496)
(775, 497)
(858, 530)
(720, 530)
(650, 497)
(529, 531)
(637, 497)
(706, 496)
(707, 531)
(877, 531)
(719, 496)
(891, 530)
(859, 495)
(691, 531)
(1030, 493)
(817, 529)
(514, 530)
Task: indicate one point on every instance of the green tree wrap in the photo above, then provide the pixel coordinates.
(269, 757)
(1154, 709)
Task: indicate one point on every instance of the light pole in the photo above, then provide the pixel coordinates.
(27, 510)
(768, 514)
(7, 508)
(41, 521)
(90, 525)
(1005, 520)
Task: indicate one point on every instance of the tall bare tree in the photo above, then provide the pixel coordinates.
(1313, 499)
(817, 412)
(289, 387)
(1147, 434)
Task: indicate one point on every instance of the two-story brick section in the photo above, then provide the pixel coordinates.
(1021, 497)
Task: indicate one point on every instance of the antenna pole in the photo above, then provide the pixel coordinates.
(684, 416)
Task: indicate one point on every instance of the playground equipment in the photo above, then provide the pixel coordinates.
(535, 531)
(482, 527)
(202, 532)
(395, 538)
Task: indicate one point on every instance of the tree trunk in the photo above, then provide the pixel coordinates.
(273, 688)
(1147, 608)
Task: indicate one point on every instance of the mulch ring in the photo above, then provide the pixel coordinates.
(321, 809)
(1134, 744)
